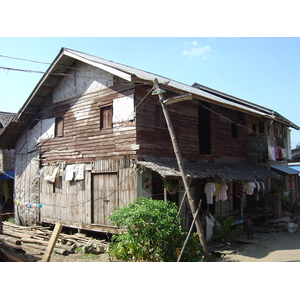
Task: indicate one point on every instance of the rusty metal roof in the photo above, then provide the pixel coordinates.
(168, 167)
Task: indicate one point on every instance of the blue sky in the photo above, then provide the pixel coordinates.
(262, 70)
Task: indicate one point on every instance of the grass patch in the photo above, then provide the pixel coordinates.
(89, 256)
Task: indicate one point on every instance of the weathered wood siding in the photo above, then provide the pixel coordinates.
(155, 141)
(27, 168)
(69, 204)
(77, 102)
(83, 140)
(107, 184)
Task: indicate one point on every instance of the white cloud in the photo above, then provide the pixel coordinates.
(197, 51)
(188, 44)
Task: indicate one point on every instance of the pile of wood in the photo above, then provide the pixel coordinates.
(38, 237)
(277, 225)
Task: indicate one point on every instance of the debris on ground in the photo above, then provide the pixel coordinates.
(9, 253)
(279, 224)
(16, 238)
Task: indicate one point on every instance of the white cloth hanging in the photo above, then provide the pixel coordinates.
(209, 190)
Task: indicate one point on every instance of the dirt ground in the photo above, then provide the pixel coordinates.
(73, 257)
(266, 247)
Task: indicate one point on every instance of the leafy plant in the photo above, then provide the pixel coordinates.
(153, 231)
(193, 251)
(223, 229)
(171, 186)
(11, 220)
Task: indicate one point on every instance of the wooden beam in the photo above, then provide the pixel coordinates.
(178, 99)
(189, 233)
(191, 201)
(52, 242)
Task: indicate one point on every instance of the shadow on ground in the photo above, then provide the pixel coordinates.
(282, 246)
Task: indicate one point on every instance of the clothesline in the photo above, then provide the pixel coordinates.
(219, 190)
(27, 205)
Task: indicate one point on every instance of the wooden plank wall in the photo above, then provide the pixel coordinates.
(71, 204)
(156, 141)
(83, 141)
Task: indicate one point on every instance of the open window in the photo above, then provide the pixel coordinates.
(234, 130)
(204, 128)
(160, 121)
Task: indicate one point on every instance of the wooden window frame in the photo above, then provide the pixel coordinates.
(59, 126)
(106, 117)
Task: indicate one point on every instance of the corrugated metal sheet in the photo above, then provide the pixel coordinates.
(5, 118)
(167, 167)
(65, 60)
(217, 98)
(297, 168)
(284, 169)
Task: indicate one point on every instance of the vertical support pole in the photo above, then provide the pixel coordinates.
(191, 201)
(165, 192)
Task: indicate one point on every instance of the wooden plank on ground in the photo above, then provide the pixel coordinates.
(52, 242)
(246, 241)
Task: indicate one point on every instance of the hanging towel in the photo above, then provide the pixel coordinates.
(69, 174)
(79, 172)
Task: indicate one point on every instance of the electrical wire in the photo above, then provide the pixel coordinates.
(45, 72)
(35, 61)
(228, 119)
(89, 200)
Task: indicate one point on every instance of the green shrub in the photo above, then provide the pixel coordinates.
(153, 232)
(193, 251)
(223, 229)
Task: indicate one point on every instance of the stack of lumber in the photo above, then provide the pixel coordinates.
(38, 237)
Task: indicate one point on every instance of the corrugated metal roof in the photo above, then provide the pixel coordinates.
(196, 89)
(5, 118)
(297, 168)
(151, 76)
(65, 60)
(284, 169)
(168, 167)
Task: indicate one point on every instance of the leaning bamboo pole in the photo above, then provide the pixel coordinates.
(191, 201)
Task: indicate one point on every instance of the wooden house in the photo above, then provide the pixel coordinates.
(7, 157)
(92, 137)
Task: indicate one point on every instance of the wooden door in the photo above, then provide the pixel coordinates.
(104, 197)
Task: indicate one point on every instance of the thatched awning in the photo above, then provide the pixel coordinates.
(167, 167)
